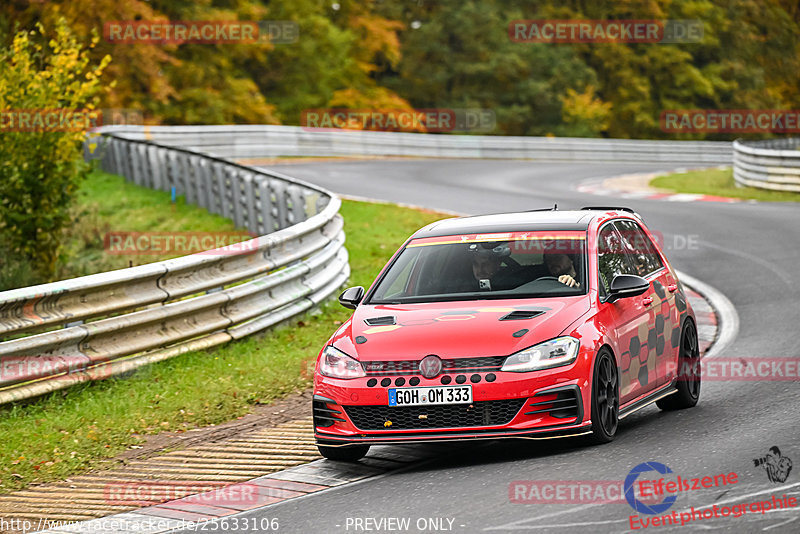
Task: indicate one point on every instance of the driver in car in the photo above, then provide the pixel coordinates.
(560, 266)
(488, 268)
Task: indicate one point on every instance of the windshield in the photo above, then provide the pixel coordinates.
(493, 266)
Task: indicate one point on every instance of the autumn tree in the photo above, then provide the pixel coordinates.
(51, 77)
(457, 54)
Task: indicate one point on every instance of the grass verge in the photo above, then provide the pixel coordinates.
(73, 430)
(718, 182)
(108, 203)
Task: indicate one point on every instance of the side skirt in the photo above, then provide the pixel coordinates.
(664, 391)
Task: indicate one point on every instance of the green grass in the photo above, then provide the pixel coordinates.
(718, 182)
(73, 430)
(108, 203)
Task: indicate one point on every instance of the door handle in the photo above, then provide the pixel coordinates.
(672, 288)
(647, 301)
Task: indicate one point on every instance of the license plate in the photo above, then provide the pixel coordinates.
(430, 395)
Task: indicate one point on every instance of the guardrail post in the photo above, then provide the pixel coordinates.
(190, 179)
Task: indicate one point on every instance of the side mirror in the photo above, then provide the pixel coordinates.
(627, 285)
(351, 297)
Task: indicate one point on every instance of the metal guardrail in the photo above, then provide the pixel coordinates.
(769, 164)
(110, 323)
(258, 141)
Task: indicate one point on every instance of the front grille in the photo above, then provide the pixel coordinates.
(457, 365)
(492, 363)
(561, 404)
(483, 413)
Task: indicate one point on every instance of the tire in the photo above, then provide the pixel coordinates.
(346, 453)
(605, 398)
(689, 379)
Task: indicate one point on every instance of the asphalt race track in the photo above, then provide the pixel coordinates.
(748, 251)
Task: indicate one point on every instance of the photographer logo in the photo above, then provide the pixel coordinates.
(777, 467)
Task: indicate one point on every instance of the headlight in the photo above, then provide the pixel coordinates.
(553, 353)
(337, 364)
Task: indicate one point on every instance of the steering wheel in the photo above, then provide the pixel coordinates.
(548, 278)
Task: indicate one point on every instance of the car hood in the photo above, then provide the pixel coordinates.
(454, 329)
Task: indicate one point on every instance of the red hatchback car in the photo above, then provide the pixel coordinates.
(535, 324)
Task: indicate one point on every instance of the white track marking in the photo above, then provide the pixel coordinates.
(727, 318)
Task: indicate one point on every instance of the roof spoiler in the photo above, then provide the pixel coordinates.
(608, 208)
(612, 208)
(554, 208)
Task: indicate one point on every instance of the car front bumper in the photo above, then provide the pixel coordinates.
(541, 405)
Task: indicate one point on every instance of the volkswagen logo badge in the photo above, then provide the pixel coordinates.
(430, 366)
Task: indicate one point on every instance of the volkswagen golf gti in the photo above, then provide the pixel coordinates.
(533, 324)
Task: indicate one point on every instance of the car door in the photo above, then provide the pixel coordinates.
(627, 316)
(659, 300)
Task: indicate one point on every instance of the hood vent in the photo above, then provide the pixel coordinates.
(386, 320)
(521, 314)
